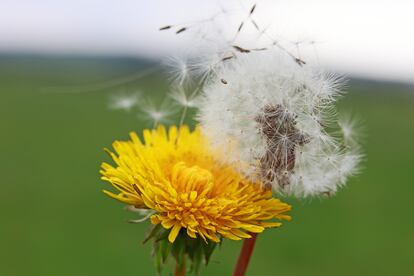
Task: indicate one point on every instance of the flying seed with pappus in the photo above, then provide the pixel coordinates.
(252, 9)
(240, 27)
(227, 58)
(181, 30)
(240, 49)
(299, 61)
(165, 28)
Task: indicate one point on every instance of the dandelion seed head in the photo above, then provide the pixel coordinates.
(276, 114)
(272, 112)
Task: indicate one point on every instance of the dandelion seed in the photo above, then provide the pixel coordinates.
(300, 62)
(240, 49)
(252, 9)
(181, 30)
(156, 114)
(227, 57)
(165, 28)
(255, 24)
(206, 64)
(124, 101)
(179, 96)
(240, 27)
(350, 130)
(178, 69)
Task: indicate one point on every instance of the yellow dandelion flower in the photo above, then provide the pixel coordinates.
(175, 174)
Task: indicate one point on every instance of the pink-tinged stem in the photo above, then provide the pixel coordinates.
(180, 270)
(245, 255)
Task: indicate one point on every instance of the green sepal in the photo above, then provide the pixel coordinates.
(196, 259)
(161, 246)
(153, 231)
(197, 251)
(157, 258)
(165, 248)
(208, 249)
(179, 250)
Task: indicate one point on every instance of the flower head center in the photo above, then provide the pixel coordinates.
(187, 179)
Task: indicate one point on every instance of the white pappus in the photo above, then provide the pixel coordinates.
(124, 101)
(276, 119)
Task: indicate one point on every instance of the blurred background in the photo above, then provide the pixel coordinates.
(62, 62)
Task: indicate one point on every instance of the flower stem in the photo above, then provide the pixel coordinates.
(180, 269)
(245, 254)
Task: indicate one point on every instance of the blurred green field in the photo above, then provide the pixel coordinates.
(56, 221)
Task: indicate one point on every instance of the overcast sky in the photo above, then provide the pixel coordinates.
(368, 38)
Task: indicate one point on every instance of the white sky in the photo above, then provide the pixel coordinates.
(368, 38)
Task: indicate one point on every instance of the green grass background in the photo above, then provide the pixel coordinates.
(56, 221)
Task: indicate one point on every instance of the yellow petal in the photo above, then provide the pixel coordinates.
(174, 232)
